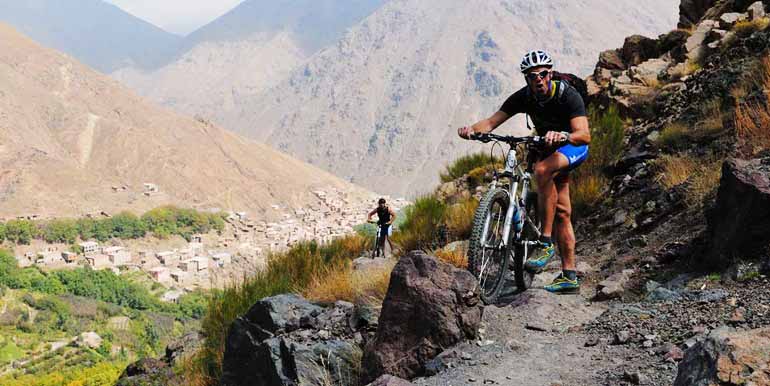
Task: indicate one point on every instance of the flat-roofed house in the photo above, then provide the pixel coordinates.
(89, 247)
(118, 255)
(161, 274)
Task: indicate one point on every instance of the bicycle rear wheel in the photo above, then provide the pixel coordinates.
(487, 254)
(523, 277)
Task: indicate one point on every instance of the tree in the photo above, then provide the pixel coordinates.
(60, 231)
(126, 225)
(20, 231)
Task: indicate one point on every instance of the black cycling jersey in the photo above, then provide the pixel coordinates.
(552, 115)
(383, 213)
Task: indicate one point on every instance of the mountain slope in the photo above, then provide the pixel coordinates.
(68, 135)
(379, 107)
(313, 23)
(98, 34)
(245, 52)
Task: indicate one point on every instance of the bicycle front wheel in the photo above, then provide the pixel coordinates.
(488, 255)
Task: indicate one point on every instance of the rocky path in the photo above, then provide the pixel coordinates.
(532, 339)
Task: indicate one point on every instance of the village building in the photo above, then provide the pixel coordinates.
(179, 276)
(118, 255)
(98, 261)
(167, 258)
(171, 296)
(89, 247)
(160, 274)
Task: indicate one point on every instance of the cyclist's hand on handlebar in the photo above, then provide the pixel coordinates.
(466, 132)
(553, 138)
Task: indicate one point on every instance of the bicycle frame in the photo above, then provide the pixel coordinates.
(515, 175)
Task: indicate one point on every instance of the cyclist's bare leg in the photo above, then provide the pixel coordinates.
(547, 196)
(389, 243)
(565, 235)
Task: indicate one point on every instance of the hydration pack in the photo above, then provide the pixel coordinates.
(575, 81)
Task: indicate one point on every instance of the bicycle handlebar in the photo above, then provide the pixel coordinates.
(511, 140)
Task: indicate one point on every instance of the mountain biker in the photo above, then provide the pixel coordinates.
(559, 115)
(385, 217)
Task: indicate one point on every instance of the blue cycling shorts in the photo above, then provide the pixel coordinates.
(575, 154)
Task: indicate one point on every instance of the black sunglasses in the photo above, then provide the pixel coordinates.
(536, 75)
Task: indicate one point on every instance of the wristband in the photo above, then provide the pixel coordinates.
(567, 135)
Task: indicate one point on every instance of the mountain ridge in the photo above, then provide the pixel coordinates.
(76, 142)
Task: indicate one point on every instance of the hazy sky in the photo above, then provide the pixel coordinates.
(177, 16)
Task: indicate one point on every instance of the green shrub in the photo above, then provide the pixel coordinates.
(20, 231)
(465, 164)
(60, 231)
(289, 271)
(423, 220)
(587, 182)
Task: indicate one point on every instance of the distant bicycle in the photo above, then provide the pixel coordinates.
(379, 241)
(506, 223)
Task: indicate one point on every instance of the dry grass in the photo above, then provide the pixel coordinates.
(676, 170)
(746, 28)
(703, 182)
(712, 121)
(344, 283)
(673, 135)
(702, 177)
(752, 126)
(459, 218)
(589, 192)
(458, 257)
(651, 81)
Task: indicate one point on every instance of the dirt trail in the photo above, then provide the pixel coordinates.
(532, 339)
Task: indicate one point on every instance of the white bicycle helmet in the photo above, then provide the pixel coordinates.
(536, 59)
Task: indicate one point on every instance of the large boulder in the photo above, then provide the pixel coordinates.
(637, 48)
(727, 358)
(430, 305)
(611, 60)
(691, 11)
(739, 221)
(148, 372)
(696, 43)
(286, 340)
(673, 43)
(183, 348)
(282, 312)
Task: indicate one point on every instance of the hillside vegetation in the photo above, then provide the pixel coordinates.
(44, 311)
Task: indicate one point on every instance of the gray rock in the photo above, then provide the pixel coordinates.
(756, 11)
(89, 339)
(727, 357)
(183, 348)
(442, 362)
(363, 316)
(281, 312)
(694, 44)
(691, 11)
(738, 222)
(334, 362)
(713, 295)
(662, 294)
(614, 286)
(622, 337)
(430, 305)
(727, 20)
(619, 218)
(255, 363)
(651, 285)
(650, 69)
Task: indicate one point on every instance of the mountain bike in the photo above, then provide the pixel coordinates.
(379, 241)
(506, 224)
